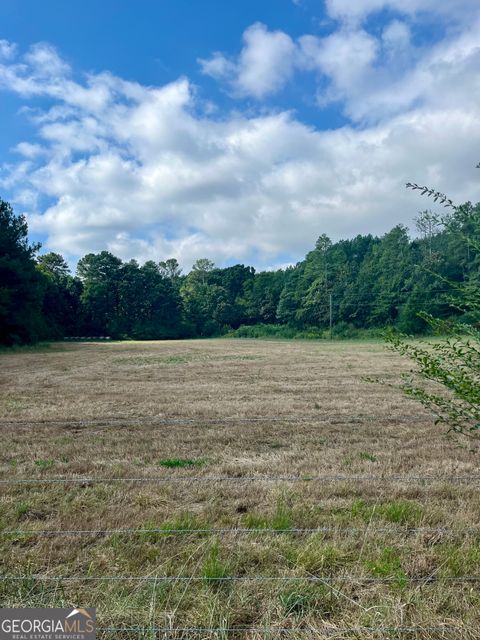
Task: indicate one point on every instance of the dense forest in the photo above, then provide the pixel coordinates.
(367, 282)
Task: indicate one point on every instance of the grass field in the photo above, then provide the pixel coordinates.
(274, 436)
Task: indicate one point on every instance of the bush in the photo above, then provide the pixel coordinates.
(446, 379)
(341, 331)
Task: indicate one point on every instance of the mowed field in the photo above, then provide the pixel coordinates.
(234, 489)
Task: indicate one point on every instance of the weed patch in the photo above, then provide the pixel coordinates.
(305, 600)
(364, 455)
(180, 463)
(44, 464)
(213, 567)
(387, 564)
(281, 519)
(401, 512)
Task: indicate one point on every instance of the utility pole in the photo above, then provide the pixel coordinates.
(331, 315)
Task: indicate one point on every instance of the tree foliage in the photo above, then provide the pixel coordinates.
(372, 282)
(446, 379)
(453, 366)
(21, 284)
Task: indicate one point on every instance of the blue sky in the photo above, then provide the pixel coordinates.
(156, 44)
(235, 130)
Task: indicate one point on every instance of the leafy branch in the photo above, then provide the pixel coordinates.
(436, 195)
(446, 377)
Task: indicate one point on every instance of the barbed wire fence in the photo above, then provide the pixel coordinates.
(324, 479)
(179, 633)
(360, 633)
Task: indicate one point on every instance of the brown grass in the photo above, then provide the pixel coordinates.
(234, 408)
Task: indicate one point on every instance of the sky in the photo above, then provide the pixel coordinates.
(238, 131)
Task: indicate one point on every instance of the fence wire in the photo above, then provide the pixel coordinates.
(325, 631)
(47, 533)
(160, 421)
(127, 421)
(256, 478)
(431, 579)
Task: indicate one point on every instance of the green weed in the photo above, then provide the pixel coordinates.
(364, 455)
(459, 561)
(180, 463)
(318, 557)
(281, 519)
(22, 509)
(44, 464)
(303, 600)
(213, 568)
(387, 565)
(400, 512)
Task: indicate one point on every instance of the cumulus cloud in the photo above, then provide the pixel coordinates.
(396, 37)
(375, 78)
(218, 67)
(357, 11)
(146, 173)
(29, 150)
(7, 50)
(372, 75)
(263, 67)
(346, 57)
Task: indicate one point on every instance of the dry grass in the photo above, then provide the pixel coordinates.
(234, 408)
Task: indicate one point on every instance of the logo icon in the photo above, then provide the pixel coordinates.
(49, 624)
(82, 612)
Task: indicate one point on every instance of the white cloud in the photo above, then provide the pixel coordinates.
(263, 67)
(7, 50)
(346, 57)
(29, 150)
(377, 78)
(357, 10)
(266, 61)
(371, 75)
(44, 62)
(396, 37)
(218, 67)
(143, 172)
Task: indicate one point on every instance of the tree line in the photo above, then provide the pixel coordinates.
(367, 282)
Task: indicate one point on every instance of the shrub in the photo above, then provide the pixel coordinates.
(452, 365)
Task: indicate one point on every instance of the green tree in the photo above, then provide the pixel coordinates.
(452, 366)
(291, 296)
(170, 269)
(126, 300)
(261, 296)
(426, 224)
(22, 286)
(61, 302)
(201, 269)
(159, 309)
(390, 266)
(100, 275)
